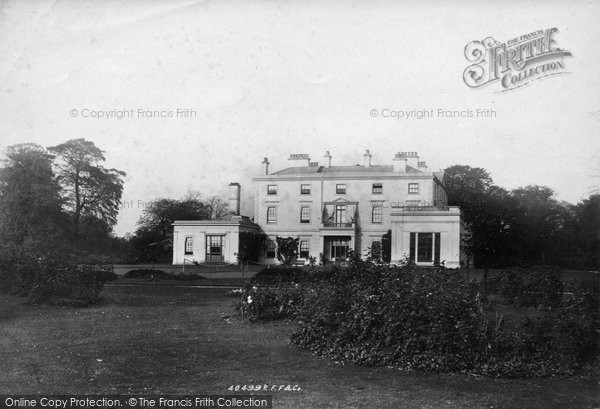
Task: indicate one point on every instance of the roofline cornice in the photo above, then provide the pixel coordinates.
(386, 175)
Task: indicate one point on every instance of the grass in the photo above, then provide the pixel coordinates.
(177, 340)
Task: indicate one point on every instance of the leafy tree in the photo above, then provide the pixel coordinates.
(540, 220)
(89, 189)
(488, 211)
(466, 187)
(30, 202)
(287, 249)
(153, 237)
(493, 228)
(215, 208)
(159, 214)
(250, 245)
(588, 221)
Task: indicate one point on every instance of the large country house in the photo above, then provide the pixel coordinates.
(395, 211)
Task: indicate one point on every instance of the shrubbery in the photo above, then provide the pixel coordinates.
(17, 270)
(529, 287)
(282, 274)
(270, 303)
(53, 278)
(428, 319)
(151, 274)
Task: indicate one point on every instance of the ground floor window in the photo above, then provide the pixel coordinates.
(304, 249)
(425, 247)
(270, 253)
(189, 245)
(214, 248)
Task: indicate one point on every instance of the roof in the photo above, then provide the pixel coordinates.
(229, 220)
(308, 170)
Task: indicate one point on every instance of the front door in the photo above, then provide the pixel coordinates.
(339, 249)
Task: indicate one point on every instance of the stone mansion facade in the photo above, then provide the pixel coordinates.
(395, 211)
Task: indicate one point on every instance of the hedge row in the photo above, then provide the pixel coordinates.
(423, 319)
(161, 275)
(282, 274)
(529, 287)
(53, 278)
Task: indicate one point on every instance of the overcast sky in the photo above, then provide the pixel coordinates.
(270, 78)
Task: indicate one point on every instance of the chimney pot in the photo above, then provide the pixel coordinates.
(367, 157)
(328, 157)
(265, 164)
(234, 198)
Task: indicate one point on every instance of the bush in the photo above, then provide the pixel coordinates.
(556, 343)
(414, 318)
(52, 278)
(258, 303)
(283, 274)
(105, 273)
(17, 270)
(58, 279)
(428, 319)
(150, 274)
(530, 287)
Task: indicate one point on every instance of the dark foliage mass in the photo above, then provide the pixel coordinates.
(150, 274)
(251, 245)
(285, 274)
(525, 226)
(529, 287)
(53, 278)
(152, 241)
(429, 319)
(57, 210)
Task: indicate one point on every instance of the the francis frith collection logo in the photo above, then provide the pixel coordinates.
(516, 62)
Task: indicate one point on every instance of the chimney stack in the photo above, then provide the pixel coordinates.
(328, 157)
(422, 166)
(265, 164)
(234, 198)
(400, 162)
(413, 159)
(367, 157)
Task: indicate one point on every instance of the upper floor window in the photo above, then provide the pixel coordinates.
(271, 189)
(305, 189)
(271, 215)
(305, 214)
(377, 214)
(413, 188)
(377, 188)
(304, 249)
(189, 245)
(340, 189)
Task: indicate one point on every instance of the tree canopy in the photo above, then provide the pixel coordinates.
(152, 240)
(91, 192)
(30, 201)
(524, 226)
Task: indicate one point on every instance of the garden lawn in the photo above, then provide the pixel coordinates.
(177, 340)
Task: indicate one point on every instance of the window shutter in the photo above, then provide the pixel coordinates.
(436, 253)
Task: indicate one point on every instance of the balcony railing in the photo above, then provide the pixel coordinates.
(338, 225)
(416, 208)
